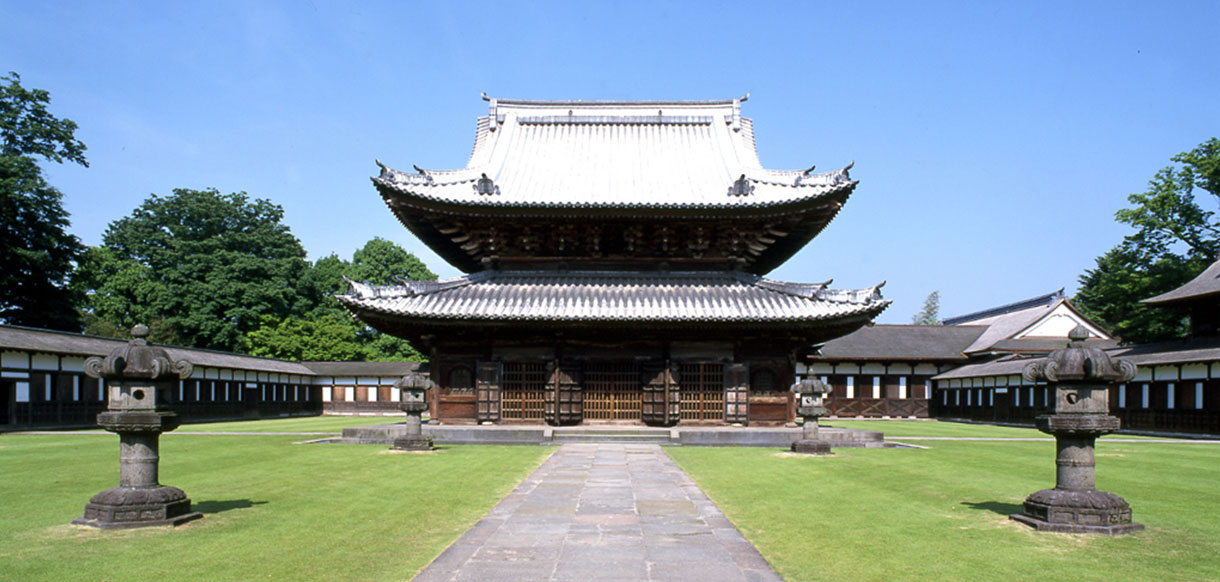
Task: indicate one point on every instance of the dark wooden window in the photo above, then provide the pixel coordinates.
(764, 382)
(461, 380)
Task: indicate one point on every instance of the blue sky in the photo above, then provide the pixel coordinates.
(993, 141)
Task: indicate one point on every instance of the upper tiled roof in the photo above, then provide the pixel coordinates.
(614, 154)
(902, 342)
(1207, 283)
(580, 296)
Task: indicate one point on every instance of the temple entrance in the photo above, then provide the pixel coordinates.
(523, 391)
(702, 391)
(612, 391)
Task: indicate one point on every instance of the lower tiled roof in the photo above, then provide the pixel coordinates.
(575, 296)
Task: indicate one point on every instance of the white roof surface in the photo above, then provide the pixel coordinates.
(615, 154)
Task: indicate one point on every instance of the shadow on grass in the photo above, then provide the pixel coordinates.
(219, 506)
(1004, 509)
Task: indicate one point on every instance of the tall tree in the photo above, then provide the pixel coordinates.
(36, 251)
(382, 262)
(328, 331)
(1175, 238)
(930, 314)
(208, 266)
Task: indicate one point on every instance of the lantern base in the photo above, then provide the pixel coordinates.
(1087, 512)
(132, 507)
(415, 442)
(811, 447)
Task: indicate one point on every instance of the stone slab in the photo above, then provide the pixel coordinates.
(703, 436)
(634, 516)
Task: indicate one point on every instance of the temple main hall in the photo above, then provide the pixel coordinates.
(615, 257)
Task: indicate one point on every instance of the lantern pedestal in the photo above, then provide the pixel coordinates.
(139, 378)
(1080, 377)
(413, 440)
(131, 507)
(1074, 505)
(414, 388)
(809, 393)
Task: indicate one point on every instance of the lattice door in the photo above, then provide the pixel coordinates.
(737, 393)
(564, 397)
(612, 391)
(523, 391)
(702, 392)
(660, 393)
(487, 391)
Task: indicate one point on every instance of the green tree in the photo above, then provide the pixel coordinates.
(36, 251)
(930, 314)
(207, 266)
(379, 262)
(382, 262)
(330, 338)
(1175, 238)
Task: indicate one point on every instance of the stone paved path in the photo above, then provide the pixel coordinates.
(603, 512)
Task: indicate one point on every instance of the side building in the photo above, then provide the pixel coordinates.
(970, 367)
(43, 383)
(897, 371)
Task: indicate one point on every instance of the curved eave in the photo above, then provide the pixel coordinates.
(490, 205)
(862, 313)
(409, 207)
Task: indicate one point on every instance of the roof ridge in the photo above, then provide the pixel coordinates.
(1047, 299)
(615, 102)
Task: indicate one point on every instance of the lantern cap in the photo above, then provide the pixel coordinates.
(811, 385)
(414, 381)
(1079, 363)
(137, 360)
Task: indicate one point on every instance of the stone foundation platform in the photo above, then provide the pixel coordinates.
(705, 436)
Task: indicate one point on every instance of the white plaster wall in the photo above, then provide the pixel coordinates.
(1058, 323)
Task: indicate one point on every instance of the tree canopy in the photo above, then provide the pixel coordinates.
(329, 332)
(36, 251)
(207, 267)
(1175, 238)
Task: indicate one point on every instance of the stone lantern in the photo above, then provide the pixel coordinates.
(1081, 378)
(809, 394)
(413, 387)
(139, 380)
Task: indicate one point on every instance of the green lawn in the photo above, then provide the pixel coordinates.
(305, 424)
(274, 509)
(942, 513)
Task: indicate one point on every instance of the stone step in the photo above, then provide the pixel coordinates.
(657, 437)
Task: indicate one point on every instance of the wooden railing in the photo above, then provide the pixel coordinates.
(878, 407)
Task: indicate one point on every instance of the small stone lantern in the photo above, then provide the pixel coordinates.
(139, 379)
(413, 388)
(1081, 378)
(809, 394)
